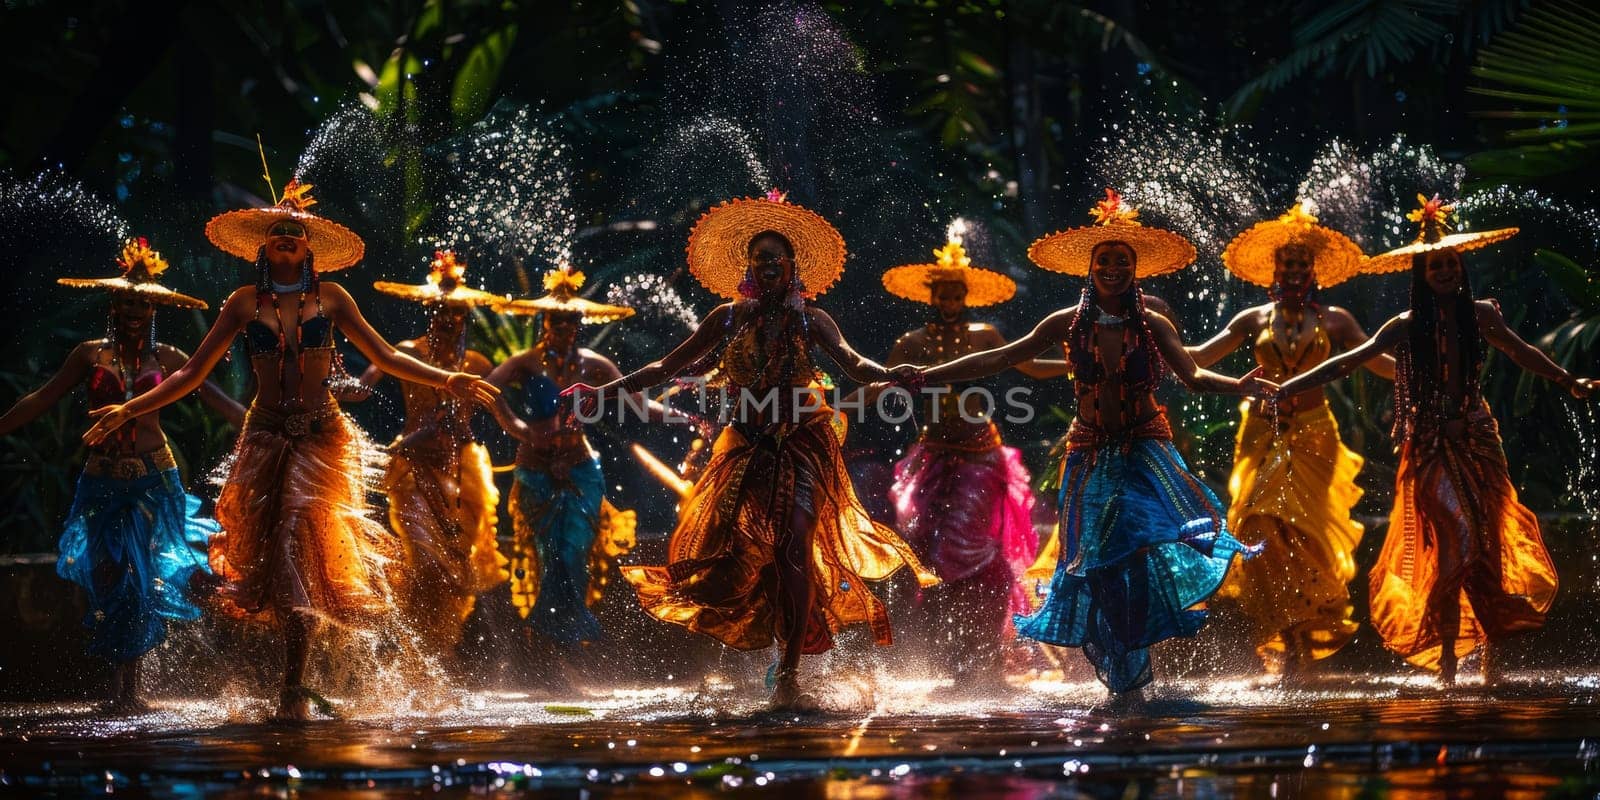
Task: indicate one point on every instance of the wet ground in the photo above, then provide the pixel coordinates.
(1347, 736)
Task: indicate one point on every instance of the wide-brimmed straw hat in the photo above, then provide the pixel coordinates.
(444, 285)
(561, 297)
(719, 243)
(1252, 255)
(1156, 251)
(1433, 221)
(140, 266)
(915, 281)
(243, 232)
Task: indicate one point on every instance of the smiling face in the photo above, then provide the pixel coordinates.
(771, 262)
(1111, 267)
(1442, 271)
(1294, 270)
(949, 300)
(133, 315)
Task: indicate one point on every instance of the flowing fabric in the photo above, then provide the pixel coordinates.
(1142, 544)
(297, 534)
(961, 508)
(1293, 486)
(443, 507)
(721, 578)
(133, 545)
(1463, 558)
(556, 522)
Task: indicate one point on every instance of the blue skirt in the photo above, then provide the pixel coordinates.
(133, 545)
(1143, 542)
(556, 522)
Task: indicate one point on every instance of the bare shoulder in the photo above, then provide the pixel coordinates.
(170, 356)
(592, 357)
(477, 363)
(915, 337)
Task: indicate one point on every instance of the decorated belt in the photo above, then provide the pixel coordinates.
(292, 424)
(128, 468)
(1085, 434)
(983, 441)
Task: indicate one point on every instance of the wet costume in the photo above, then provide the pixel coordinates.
(963, 499)
(559, 513)
(440, 483)
(1142, 542)
(297, 533)
(1293, 481)
(722, 576)
(133, 538)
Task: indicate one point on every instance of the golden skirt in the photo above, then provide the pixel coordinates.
(443, 508)
(1292, 489)
(722, 579)
(1463, 558)
(297, 534)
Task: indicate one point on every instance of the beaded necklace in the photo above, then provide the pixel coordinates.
(1292, 336)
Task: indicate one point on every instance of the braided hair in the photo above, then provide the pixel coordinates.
(1421, 369)
(1080, 335)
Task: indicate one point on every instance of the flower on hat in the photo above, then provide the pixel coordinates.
(1112, 211)
(139, 262)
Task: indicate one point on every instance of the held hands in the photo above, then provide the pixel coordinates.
(107, 420)
(585, 398)
(466, 386)
(1253, 385)
(909, 376)
(1582, 388)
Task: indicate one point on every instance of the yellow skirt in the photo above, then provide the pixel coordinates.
(721, 579)
(1292, 489)
(445, 515)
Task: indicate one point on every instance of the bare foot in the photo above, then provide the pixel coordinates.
(1129, 702)
(786, 696)
(300, 704)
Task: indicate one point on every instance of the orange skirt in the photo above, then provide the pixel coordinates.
(297, 535)
(1463, 559)
(722, 577)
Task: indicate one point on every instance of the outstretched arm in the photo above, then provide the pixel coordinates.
(1345, 363)
(825, 332)
(705, 337)
(1495, 331)
(1192, 375)
(172, 359)
(39, 400)
(1049, 331)
(235, 313)
(384, 356)
(1347, 333)
(1227, 340)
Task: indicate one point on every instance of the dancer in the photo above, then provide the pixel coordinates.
(962, 499)
(298, 545)
(1293, 481)
(558, 505)
(772, 542)
(439, 482)
(1143, 542)
(132, 538)
(1457, 531)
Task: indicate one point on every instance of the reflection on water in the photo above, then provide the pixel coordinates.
(1347, 736)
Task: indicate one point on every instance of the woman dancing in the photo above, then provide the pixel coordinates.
(439, 482)
(1293, 481)
(772, 541)
(298, 545)
(963, 499)
(1457, 531)
(132, 540)
(1143, 542)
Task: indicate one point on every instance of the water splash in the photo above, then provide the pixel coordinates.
(349, 141)
(713, 153)
(654, 299)
(1367, 197)
(50, 206)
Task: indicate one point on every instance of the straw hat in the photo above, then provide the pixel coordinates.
(561, 297)
(140, 266)
(242, 232)
(915, 281)
(444, 285)
(1157, 251)
(1252, 254)
(719, 243)
(1433, 219)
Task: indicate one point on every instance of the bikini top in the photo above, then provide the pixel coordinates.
(1279, 357)
(1140, 367)
(259, 339)
(105, 385)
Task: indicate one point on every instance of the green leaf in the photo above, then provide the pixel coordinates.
(1576, 283)
(479, 74)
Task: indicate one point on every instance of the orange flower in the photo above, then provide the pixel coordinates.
(138, 257)
(1112, 211)
(297, 195)
(563, 282)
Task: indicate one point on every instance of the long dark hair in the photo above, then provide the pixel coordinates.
(1079, 336)
(308, 272)
(1420, 365)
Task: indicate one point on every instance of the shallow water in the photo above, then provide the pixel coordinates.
(1345, 736)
